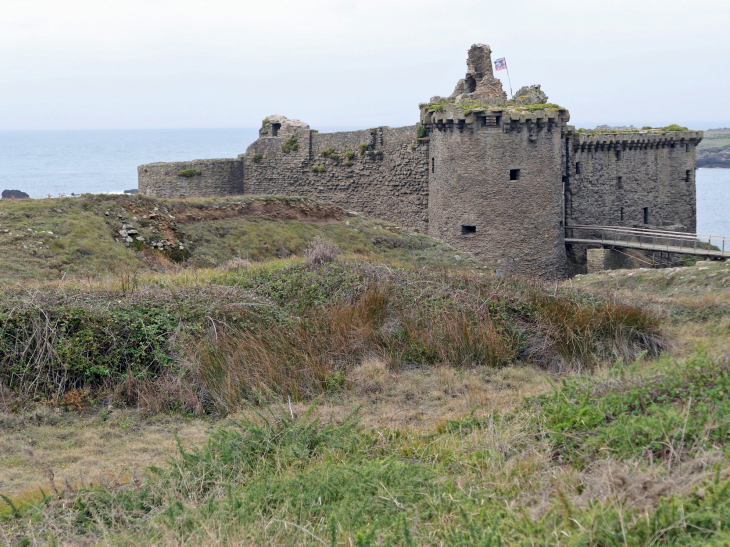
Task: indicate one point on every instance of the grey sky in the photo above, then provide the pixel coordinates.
(86, 64)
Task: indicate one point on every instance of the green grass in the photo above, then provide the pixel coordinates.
(489, 480)
(80, 242)
(715, 139)
(188, 173)
(54, 239)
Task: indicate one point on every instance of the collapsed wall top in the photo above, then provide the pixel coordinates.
(479, 82)
(280, 126)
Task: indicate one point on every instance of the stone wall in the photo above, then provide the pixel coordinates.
(632, 179)
(514, 226)
(386, 175)
(218, 177)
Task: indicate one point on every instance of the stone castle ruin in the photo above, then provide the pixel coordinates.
(497, 177)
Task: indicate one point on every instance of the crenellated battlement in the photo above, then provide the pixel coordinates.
(509, 118)
(633, 140)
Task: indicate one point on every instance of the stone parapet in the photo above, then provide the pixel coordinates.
(187, 179)
(640, 139)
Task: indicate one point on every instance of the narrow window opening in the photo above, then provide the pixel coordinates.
(275, 129)
(514, 174)
(687, 175)
(468, 229)
(565, 179)
(577, 168)
(618, 155)
(686, 147)
(619, 183)
(622, 213)
(646, 215)
(433, 166)
(561, 223)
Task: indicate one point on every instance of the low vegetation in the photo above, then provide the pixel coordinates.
(295, 329)
(290, 144)
(374, 387)
(188, 173)
(72, 238)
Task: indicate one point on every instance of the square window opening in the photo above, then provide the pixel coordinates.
(577, 168)
(514, 174)
(465, 229)
(646, 215)
(275, 129)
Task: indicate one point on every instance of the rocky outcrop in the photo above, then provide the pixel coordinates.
(14, 194)
(529, 94)
(714, 157)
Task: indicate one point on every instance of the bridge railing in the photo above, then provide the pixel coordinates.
(675, 242)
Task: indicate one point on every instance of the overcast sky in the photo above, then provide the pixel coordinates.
(91, 64)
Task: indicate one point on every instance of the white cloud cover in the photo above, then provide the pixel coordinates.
(80, 64)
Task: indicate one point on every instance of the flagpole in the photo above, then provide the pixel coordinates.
(509, 80)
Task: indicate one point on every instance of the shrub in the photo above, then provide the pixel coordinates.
(363, 147)
(187, 173)
(420, 131)
(329, 151)
(674, 127)
(257, 157)
(319, 251)
(348, 163)
(289, 145)
(318, 168)
(647, 127)
(349, 154)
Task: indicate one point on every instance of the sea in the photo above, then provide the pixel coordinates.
(64, 163)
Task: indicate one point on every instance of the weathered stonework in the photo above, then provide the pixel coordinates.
(386, 177)
(496, 177)
(643, 179)
(221, 177)
(513, 225)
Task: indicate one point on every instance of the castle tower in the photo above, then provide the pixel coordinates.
(495, 176)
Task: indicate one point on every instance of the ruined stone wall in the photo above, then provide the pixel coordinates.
(656, 170)
(218, 177)
(388, 180)
(515, 226)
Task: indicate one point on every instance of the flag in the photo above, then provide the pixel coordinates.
(500, 64)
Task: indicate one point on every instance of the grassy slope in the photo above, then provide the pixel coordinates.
(629, 454)
(715, 139)
(51, 239)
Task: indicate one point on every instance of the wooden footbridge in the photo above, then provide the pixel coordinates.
(650, 240)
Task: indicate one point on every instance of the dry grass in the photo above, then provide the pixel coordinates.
(417, 400)
(103, 447)
(117, 446)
